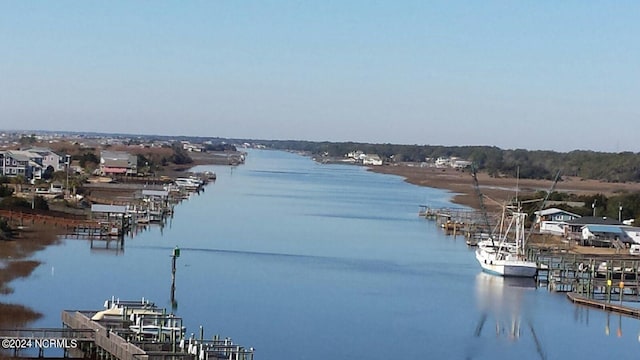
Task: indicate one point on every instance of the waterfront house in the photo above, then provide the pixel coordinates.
(372, 159)
(603, 235)
(632, 233)
(460, 164)
(596, 228)
(118, 163)
(49, 158)
(576, 225)
(24, 163)
(443, 162)
(553, 220)
(554, 214)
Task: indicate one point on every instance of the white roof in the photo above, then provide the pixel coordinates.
(161, 193)
(552, 211)
(116, 209)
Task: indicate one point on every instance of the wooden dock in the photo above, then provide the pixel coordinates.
(124, 330)
(607, 306)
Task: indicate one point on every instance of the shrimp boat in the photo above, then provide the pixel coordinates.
(506, 257)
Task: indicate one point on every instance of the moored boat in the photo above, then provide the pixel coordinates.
(506, 258)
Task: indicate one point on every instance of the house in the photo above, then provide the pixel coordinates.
(576, 225)
(575, 229)
(49, 158)
(632, 233)
(443, 162)
(554, 214)
(192, 147)
(460, 164)
(554, 221)
(118, 163)
(355, 154)
(372, 159)
(603, 235)
(21, 163)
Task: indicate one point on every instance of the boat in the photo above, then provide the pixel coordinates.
(155, 325)
(210, 175)
(190, 183)
(115, 309)
(606, 270)
(506, 257)
(473, 239)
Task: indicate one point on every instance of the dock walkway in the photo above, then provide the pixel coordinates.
(124, 330)
(604, 305)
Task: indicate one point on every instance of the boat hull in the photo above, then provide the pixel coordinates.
(509, 268)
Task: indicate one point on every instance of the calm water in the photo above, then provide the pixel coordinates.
(309, 261)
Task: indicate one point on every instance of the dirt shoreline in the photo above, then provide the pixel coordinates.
(17, 263)
(461, 185)
(16, 254)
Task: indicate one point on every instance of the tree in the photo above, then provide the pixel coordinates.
(5, 191)
(18, 181)
(48, 173)
(180, 155)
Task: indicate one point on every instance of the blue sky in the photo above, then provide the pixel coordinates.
(553, 75)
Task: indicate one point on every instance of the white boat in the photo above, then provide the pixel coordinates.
(155, 329)
(118, 310)
(504, 257)
(188, 182)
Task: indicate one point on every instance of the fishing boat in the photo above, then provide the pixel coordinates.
(505, 257)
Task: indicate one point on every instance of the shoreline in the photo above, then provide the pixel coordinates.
(461, 186)
(16, 254)
(17, 262)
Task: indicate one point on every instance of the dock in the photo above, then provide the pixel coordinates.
(607, 306)
(123, 330)
(457, 221)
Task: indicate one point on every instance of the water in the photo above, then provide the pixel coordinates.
(309, 261)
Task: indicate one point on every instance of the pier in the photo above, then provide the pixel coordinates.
(454, 221)
(606, 282)
(607, 306)
(123, 330)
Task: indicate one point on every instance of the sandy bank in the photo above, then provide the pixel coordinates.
(461, 184)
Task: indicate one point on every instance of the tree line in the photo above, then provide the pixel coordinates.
(531, 164)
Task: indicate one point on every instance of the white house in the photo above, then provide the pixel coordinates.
(442, 162)
(372, 159)
(460, 164)
(633, 233)
(554, 221)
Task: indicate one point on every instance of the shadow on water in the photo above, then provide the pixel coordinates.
(363, 265)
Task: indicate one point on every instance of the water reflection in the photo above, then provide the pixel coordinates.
(110, 246)
(612, 323)
(501, 305)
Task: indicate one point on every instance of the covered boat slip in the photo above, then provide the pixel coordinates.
(140, 330)
(112, 218)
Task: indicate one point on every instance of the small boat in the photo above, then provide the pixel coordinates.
(190, 183)
(155, 329)
(604, 270)
(118, 310)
